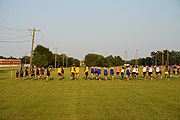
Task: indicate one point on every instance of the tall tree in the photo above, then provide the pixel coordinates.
(42, 56)
(70, 61)
(99, 60)
(76, 62)
(95, 59)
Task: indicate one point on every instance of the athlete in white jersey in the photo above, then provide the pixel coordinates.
(144, 72)
(150, 71)
(122, 72)
(133, 72)
(137, 72)
(157, 72)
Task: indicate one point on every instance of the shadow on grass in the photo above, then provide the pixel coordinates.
(3, 71)
(3, 78)
(62, 78)
(51, 78)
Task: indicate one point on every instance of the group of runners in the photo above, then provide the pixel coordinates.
(125, 72)
(95, 72)
(37, 72)
(99, 73)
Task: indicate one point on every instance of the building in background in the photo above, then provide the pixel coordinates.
(10, 62)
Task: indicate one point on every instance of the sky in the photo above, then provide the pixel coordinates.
(79, 27)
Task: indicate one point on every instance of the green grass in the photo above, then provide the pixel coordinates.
(87, 100)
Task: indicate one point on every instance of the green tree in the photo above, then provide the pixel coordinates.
(95, 59)
(70, 61)
(111, 60)
(42, 56)
(40, 60)
(76, 62)
(118, 61)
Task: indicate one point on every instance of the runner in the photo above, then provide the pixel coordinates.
(48, 74)
(86, 70)
(37, 73)
(21, 73)
(77, 73)
(112, 73)
(59, 71)
(26, 73)
(32, 73)
(157, 73)
(72, 70)
(118, 71)
(150, 71)
(105, 73)
(92, 72)
(122, 73)
(169, 71)
(179, 70)
(160, 71)
(98, 73)
(144, 72)
(137, 72)
(133, 72)
(128, 73)
(42, 72)
(95, 72)
(62, 72)
(166, 73)
(17, 74)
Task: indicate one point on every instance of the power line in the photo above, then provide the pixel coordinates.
(12, 34)
(39, 39)
(44, 39)
(2, 41)
(12, 29)
(14, 38)
(36, 43)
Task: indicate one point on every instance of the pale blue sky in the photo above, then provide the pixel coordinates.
(78, 27)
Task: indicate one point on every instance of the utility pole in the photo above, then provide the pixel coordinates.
(125, 57)
(162, 58)
(32, 31)
(25, 59)
(137, 57)
(66, 61)
(156, 58)
(167, 57)
(63, 59)
(55, 58)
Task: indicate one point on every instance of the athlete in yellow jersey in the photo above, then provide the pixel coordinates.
(86, 70)
(77, 72)
(72, 70)
(59, 71)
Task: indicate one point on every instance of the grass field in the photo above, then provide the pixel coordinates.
(87, 100)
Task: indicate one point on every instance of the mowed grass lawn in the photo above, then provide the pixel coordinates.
(87, 100)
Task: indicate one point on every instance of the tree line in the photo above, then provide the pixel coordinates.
(164, 57)
(99, 60)
(43, 56)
